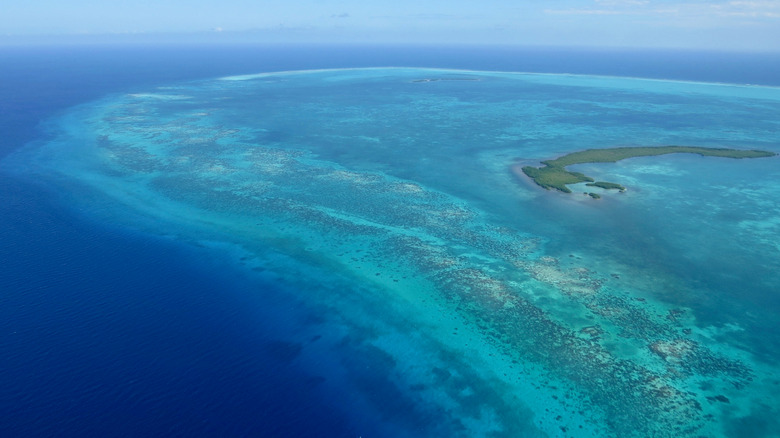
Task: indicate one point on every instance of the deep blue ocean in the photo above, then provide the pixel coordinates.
(106, 331)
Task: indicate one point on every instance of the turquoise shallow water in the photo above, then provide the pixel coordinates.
(383, 198)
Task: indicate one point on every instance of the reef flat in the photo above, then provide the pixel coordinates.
(553, 175)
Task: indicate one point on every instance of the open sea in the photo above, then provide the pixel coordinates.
(329, 241)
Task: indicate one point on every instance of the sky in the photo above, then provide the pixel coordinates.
(742, 25)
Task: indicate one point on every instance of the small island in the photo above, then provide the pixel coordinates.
(553, 175)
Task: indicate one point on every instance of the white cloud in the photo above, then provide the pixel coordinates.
(702, 11)
(755, 9)
(586, 12)
(622, 2)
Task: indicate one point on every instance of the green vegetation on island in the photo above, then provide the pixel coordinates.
(553, 175)
(606, 185)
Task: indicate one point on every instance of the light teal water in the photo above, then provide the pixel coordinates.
(385, 200)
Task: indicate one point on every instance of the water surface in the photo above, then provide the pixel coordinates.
(436, 293)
